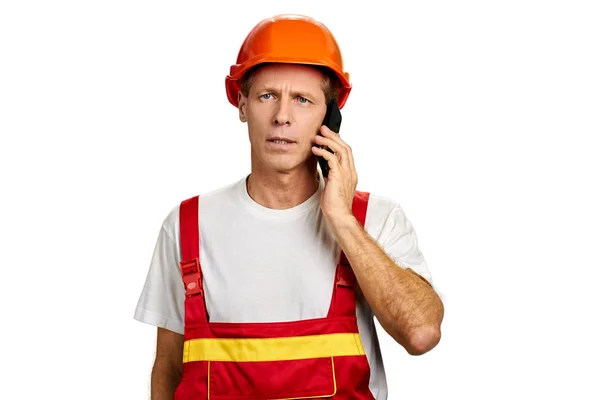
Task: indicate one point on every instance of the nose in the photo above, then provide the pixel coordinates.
(282, 115)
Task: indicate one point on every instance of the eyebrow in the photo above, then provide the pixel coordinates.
(294, 93)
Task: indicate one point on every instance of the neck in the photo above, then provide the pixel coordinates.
(282, 190)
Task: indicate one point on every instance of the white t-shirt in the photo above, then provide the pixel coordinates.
(266, 265)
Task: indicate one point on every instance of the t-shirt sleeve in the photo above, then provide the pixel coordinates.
(161, 301)
(398, 238)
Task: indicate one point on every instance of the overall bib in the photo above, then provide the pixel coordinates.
(306, 359)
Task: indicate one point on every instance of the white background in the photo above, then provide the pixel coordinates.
(480, 118)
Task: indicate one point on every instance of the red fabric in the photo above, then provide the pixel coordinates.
(273, 380)
(352, 380)
(195, 308)
(188, 227)
(342, 300)
(288, 379)
(306, 327)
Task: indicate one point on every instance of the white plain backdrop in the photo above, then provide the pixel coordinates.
(481, 118)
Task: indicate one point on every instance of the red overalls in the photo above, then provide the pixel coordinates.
(306, 359)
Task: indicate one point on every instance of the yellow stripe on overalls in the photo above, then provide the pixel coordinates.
(273, 349)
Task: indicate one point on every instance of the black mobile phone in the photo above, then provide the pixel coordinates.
(332, 120)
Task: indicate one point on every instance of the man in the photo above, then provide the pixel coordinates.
(267, 288)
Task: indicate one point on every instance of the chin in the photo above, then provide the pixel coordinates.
(282, 165)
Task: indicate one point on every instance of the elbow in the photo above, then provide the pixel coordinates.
(423, 339)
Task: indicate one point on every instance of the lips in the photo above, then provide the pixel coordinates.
(280, 144)
(280, 139)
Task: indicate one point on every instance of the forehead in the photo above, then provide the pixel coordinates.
(297, 76)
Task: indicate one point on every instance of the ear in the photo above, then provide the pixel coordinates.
(242, 101)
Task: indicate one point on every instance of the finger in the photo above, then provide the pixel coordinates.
(328, 133)
(350, 160)
(332, 144)
(325, 131)
(331, 159)
(342, 148)
(338, 151)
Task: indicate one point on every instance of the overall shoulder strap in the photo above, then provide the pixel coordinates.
(191, 271)
(343, 298)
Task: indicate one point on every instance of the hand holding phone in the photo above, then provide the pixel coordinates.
(332, 120)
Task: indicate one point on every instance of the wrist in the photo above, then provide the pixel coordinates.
(342, 222)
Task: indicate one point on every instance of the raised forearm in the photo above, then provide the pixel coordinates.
(406, 305)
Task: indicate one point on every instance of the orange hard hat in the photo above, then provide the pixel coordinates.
(288, 38)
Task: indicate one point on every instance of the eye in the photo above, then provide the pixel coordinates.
(266, 96)
(303, 100)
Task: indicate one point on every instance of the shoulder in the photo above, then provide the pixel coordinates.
(382, 204)
(388, 224)
(208, 201)
(381, 211)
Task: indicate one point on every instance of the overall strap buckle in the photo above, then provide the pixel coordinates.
(345, 276)
(192, 279)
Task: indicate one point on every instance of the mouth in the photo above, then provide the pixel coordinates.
(280, 143)
(280, 140)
